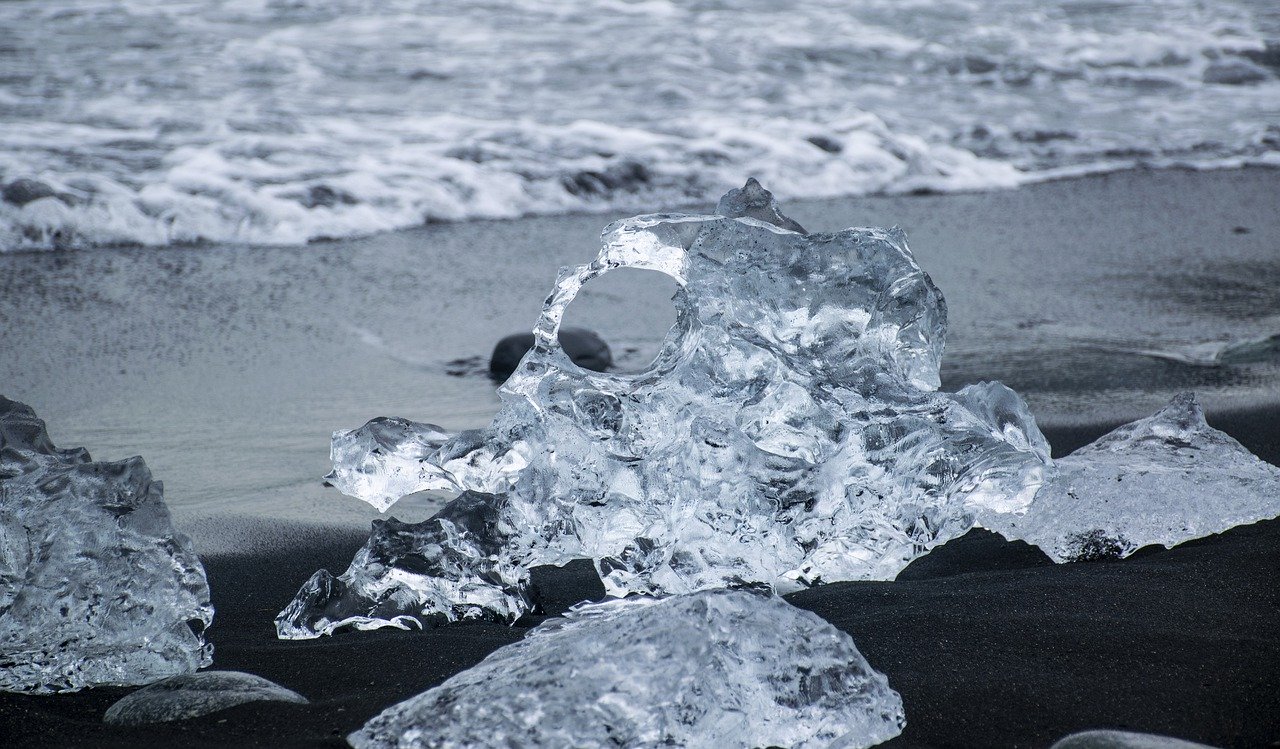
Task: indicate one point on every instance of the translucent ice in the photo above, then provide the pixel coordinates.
(788, 432)
(718, 668)
(95, 585)
(1164, 479)
(193, 695)
(451, 564)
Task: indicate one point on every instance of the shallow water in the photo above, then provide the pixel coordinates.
(227, 367)
(283, 121)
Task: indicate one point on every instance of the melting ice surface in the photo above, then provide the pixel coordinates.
(1164, 479)
(95, 586)
(788, 433)
(723, 668)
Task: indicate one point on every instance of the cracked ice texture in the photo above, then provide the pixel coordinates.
(717, 668)
(96, 587)
(787, 433)
(1164, 480)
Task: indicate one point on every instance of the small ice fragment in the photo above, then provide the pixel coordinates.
(96, 588)
(1164, 480)
(753, 201)
(789, 433)
(1122, 740)
(726, 668)
(193, 695)
(447, 566)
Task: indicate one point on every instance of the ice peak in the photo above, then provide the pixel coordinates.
(1179, 424)
(753, 201)
(1164, 480)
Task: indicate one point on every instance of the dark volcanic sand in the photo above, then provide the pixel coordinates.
(988, 643)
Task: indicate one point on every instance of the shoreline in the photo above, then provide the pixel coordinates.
(228, 368)
(1083, 172)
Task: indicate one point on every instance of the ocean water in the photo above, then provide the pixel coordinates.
(281, 122)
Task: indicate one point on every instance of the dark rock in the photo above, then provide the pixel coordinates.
(1268, 56)
(1234, 73)
(979, 65)
(423, 74)
(22, 191)
(828, 144)
(626, 176)
(583, 346)
(1042, 136)
(753, 201)
(323, 196)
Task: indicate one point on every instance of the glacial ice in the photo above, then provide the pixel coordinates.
(788, 433)
(1164, 479)
(95, 586)
(192, 695)
(726, 668)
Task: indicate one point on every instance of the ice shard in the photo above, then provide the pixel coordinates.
(192, 695)
(451, 566)
(725, 668)
(789, 432)
(1164, 480)
(95, 586)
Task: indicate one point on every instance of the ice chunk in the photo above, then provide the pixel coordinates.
(1164, 479)
(193, 695)
(95, 585)
(450, 565)
(753, 201)
(787, 433)
(726, 668)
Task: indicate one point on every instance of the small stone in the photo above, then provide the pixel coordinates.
(587, 349)
(1123, 740)
(22, 191)
(193, 695)
(1234, 73)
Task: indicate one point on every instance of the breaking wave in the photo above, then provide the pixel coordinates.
(273, 122)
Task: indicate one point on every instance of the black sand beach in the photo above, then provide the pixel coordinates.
(987, 641)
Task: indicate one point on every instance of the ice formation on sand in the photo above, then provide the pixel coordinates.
(193, 695)
(789, 432)
(95, 586)
(1164, 479)
(717, 668)
(451, 564)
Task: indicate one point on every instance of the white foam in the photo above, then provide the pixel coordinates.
(250, 121)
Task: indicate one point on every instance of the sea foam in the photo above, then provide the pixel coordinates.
(284, 123)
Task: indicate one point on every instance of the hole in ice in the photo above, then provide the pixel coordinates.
(632, 311)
